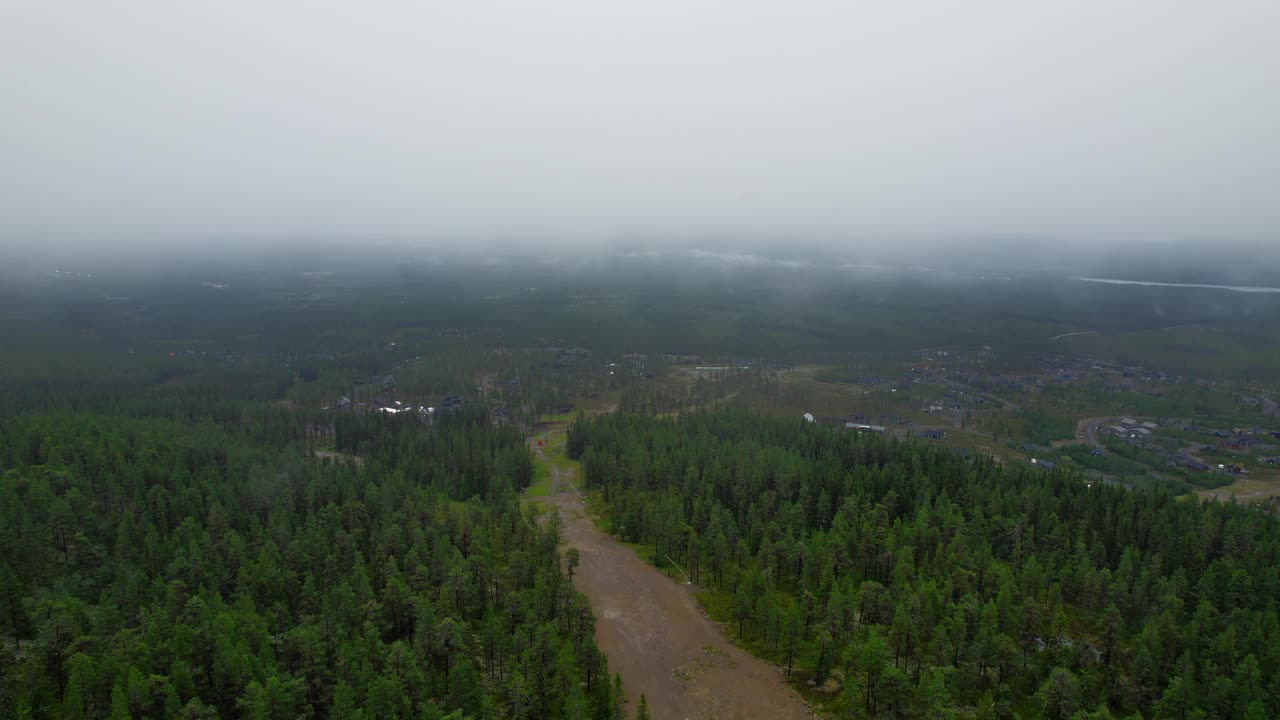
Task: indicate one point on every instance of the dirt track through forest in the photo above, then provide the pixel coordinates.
(656, 635)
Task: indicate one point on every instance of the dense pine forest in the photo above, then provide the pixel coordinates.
(211, 568)
(257, 492)
(903, 581)
(658, 360)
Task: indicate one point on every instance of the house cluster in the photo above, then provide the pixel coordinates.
(947, 406)
(994, 383)
(380, 404)
(835, 419)
(1236, 438)
(855, 423)
(1238, 441)
(391, 407)
(396, 407)
(1059, 370)
(1131, 429)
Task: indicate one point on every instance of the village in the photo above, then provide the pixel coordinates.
(1111, 422)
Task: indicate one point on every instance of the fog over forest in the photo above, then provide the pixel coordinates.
(595, 360)
(737, 126)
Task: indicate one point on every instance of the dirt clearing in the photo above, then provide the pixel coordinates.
(658, 638)
(1245, 490)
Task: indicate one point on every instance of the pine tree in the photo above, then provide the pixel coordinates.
(120, 704)
(1060, 695)
(618, 697)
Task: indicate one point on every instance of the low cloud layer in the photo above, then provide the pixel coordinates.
(588, 121)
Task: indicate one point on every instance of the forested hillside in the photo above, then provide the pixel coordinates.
(912, 583)
(161, 568)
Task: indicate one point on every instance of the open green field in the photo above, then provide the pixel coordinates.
(548, 458)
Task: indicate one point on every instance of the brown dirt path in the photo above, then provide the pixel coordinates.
(656, 635)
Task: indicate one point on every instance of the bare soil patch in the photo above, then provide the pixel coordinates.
(657, 636)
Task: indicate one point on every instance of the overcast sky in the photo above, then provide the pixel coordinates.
(182, 122)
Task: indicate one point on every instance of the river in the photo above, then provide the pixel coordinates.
(1234, 288)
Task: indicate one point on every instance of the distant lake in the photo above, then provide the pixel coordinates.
(1236, 288)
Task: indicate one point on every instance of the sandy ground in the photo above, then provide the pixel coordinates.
(1245, 490)
(656, 635)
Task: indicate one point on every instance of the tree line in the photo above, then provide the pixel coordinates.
(165, 568)
(903, 581)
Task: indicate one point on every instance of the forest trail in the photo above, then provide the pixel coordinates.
(658, 638)
(337, 456)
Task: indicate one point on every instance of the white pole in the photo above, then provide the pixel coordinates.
(571, 487)
(688, 580)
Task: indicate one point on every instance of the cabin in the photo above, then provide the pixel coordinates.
(1196, 465)
(1045, 465)
(935, 434)
(1238, 442)
(342, 402)
(860, 427)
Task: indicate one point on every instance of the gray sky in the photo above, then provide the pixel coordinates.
(595, 119)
